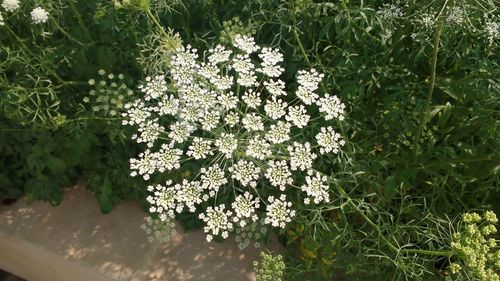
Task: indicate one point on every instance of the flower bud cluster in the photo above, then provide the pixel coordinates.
(476, 247)
(108, 94)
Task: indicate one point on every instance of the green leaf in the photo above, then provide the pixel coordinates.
(55, 165)
(390, 187)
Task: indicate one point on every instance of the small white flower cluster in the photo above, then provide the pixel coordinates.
(390, 12)
(329, 140)
(476, 248)
(316, 187)
(10, 5)
(279, 211)
(39, 15)
(456, 16)
(492, 29)
(244, 135)
(217, 222)
(244, 206)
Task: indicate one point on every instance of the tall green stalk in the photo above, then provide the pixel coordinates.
(430, 91)
(296, 34)
(425, 111)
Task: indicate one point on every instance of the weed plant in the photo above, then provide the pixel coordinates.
(409, 188)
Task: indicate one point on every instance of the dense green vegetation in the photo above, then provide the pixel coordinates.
(420, 80)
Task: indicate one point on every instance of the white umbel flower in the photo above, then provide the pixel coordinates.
(210, 120)
(316, 188)
(252, 122)
(243, 64)
(329, 140)
(309, 79)
(251, 99)
(275, 108)
(228, 100)
(144, 165)
(217, 222)
(298, 116)
(279, 174)
(332, 107)
(270, 62)
(162, 200)
(247, 173)
(168, 158)
(213, 178)
(200, 148)
(301, 157)
(279, 132)
(149, 132)
(136, 113)
(258, 148)
(154, 88)
(245, 43)
(219, 54)
(244, 207)
(306, 96)
(279, 211)
(275, 87)
(190, 193)
(180, 131)
(226, 144)
(226, 120)
(10, 5)
(232, 118)
(168, 105)
(39, 15)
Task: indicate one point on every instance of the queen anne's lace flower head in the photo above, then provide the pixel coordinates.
(236, 131)
(39, 15)
(10, 5)
(332, 107)
(316, 188)
(217, 222)
(329, 140)
(245, 206)
(279, 211)
(245, 43)
(162, 200)
(154, 87)
(279, 174)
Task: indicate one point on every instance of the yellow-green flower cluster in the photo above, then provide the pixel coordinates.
(476, 249)
(270, 268)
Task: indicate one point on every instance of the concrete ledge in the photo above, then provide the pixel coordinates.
(75, 242)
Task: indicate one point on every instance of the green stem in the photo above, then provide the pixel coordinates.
(70, 37)
(427, 252)
(92, 118)
(385, 240)
(368, 220)
(344, 5)
(425, 110)
(155, 21)
(79, 19)
(296, 34)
